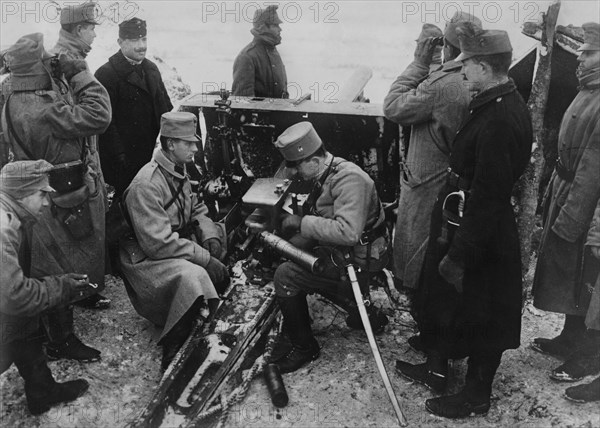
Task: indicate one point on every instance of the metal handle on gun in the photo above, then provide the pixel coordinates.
(372, 343)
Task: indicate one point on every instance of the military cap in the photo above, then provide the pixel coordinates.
(458, 19)
(429, 30)
(23, 178)
(134, 28)
(486, 42)
(180, 125)
(266, 16)
(85, 12)
(24, 60)
(591, 37)
(298, 142)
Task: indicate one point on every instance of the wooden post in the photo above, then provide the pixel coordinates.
(527, 188)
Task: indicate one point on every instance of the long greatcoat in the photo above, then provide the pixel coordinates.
(52, 128)
(258, 71)
(435, 108)
(592, 319)
(490, 152)
(570, 206)
(137, 105)
(166, 271)
(22, 299)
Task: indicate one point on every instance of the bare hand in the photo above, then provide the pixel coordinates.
(291, 224)
(595, 252)
(424, 51)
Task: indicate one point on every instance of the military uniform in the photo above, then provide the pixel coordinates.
(434, 105)
(258, 70)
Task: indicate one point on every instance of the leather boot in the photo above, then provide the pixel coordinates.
(176, 337)
(377, 318)
(566, 342)
(474, 399)
(41, 390)
(584, 393)
(433, 374)
(297, 323)
(62, 342)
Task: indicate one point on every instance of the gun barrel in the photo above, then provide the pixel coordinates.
(295, 254)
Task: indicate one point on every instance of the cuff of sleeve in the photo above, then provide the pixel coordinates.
(81, 80)
(307, 227)
(201, 256)
(60, 297)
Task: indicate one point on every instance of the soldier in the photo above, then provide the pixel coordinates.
(434, 105)
(570, 199)
(258, 70)
(75, 40)
(23, 194)
(138, 98)
(470, 305)
(171, 261)
(69, 235)
(345, 211)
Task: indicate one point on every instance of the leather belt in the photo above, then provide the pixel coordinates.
(371, 235)
(455, 180)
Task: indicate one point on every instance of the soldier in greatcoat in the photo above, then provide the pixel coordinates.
(344, 211)
(24, 192)
(41, 123)
(258, 70)
(171, 260)
(471, 300)
(570, 200)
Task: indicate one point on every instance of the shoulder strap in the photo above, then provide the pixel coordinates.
(174, 193)
(11, 131)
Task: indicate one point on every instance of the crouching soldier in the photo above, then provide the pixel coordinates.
(23, 193)
(344, 212)
(172, 259)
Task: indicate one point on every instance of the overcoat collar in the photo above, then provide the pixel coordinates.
(127, 72)
(24, 215)
(169, 166)
(494, 93)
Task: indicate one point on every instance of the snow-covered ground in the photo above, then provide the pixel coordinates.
(322, 41)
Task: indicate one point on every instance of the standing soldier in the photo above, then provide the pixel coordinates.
(172, 259)
(24, 191)
(345, 211)
(138, 98)
(258, 70)
(434, 105)
(571, 197)
(470, 305)
(75, 40)
(68, 237)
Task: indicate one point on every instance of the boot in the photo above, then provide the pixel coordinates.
(433, 374)
(176, 337)
(416, 342)
(584, 393)
(41, 390)
(576, 368)
(72, 349)
(377, 318)
(566, 342)
(474, 399)
(297, 323)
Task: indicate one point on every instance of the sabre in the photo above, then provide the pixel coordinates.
(372, 343)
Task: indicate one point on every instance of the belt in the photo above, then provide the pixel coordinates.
(563, 172)
(371, 235)
(455, 180)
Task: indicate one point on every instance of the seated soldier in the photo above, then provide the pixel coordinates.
(172, 259)
(23, 193)
(344, 212)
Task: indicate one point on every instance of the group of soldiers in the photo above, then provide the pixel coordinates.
(67, 132)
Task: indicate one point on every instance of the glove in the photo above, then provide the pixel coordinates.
(291, 224)
(217, 271)
(70, 67)
(424, 51)
(452, 272)
(78, 285)
(213, 245)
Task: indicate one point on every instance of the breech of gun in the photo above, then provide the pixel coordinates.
(287, 250)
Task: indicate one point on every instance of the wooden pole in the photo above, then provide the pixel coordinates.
(527, 188)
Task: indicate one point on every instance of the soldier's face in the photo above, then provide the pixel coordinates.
(87, 33)
(308, 168)
(474, 73)
(134, 49)
(588, 60)
(182, 151)
(275, 30)
(35, 202)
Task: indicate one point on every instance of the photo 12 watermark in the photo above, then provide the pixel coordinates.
(289, 12)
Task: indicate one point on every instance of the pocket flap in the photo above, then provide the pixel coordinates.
(71, 199)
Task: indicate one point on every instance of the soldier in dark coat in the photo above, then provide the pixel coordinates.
(571, 198)
(24, 191)
(138, 98)
(470, 297)
(258, 70)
